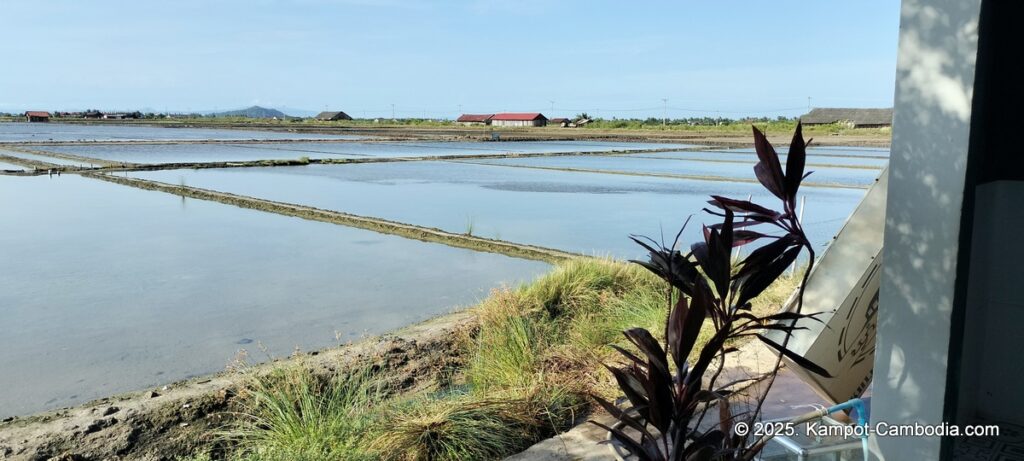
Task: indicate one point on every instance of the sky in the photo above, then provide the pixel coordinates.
(436, 59)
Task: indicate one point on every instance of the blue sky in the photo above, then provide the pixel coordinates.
(612, 59)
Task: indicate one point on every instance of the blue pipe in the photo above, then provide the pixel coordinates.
(856, 404)
(862, 418)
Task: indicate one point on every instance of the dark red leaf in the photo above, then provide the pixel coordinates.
(764, 255)
(796, 358)
(707, 354)
(793, 316)
(662, 403)
(631, 386)
(701, 303)
(622, 416)
(644, 341)
(795, 164)
(670, 265)
(674, 326)
(743, 237)
(629, 355)
(758, 279)
(742, 206)
(751, 221)
(715, 257)
(768, 169)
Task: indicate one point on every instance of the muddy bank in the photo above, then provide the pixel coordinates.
(160, 424)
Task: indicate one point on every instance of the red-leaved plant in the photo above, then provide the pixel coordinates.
(669, 395)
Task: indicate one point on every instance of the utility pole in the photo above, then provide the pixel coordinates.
(664, 118)
(552, 106)
(808, 103)
(393, 112)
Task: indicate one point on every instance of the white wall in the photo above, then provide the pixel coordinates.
(934, 82)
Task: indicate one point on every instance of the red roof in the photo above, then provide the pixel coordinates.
(37, 113)
(474, 117)
(519, 116)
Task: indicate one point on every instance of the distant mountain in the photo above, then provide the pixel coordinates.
(252, 112)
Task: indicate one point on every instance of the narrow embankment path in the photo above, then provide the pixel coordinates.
(425, 234)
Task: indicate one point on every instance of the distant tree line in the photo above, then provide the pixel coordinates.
(690, 121)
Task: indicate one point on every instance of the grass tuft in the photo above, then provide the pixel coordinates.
(468, 428)
(292, 414)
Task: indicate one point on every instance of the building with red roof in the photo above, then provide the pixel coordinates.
(475, 119)
(37, 116)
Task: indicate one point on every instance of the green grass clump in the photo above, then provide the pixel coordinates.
(638, 308)
(523, 331)
(506, 351)
(468, 427)
(292, 414)
(453, 429)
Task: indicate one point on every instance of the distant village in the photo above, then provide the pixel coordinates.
(849, 117)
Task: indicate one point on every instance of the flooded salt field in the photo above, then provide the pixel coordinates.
(656, 166)
(47, 159)
(183, 153)
(586, 213)
(108, 288)
(41, 132)
(879, 152)
(11, 166)
(749, 158)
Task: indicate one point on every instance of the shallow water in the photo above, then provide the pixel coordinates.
(174, 153)
(184, 153)
(645, 165)
(108, 288)
(748, 157)
(53, 131)
(48, 159)
(587, 213)
(11, 166)
(879, 152)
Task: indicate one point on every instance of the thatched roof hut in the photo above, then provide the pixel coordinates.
(856, 118)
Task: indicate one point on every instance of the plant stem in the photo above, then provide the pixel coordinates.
(789, 334)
